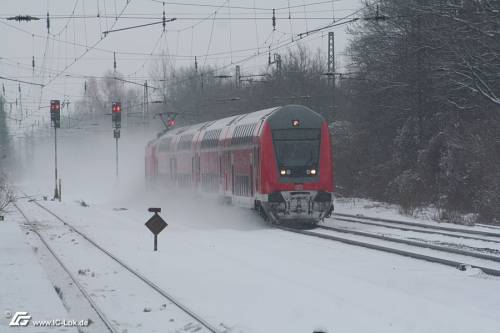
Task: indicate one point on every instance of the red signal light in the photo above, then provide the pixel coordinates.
(117, 107)
(55, 105)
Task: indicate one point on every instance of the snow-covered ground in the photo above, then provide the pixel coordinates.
(24, 286)
(227, 265)
(429, 215)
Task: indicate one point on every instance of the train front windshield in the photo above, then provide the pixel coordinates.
(297, 149)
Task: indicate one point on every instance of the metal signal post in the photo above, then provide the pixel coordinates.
(55, 117)
(116, 117)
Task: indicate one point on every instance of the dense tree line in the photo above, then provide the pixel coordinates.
(6, 193)
(4, 136)
(424, 106)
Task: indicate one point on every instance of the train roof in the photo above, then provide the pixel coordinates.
(246, 118)
(241, 119)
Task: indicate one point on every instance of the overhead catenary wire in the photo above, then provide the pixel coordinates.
(87, 50)
(239, 7)
(212, 30)
(255, 51)
(342, 21)
(21, 81)
(71, 16)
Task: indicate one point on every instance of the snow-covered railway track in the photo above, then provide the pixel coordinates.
(413, 243)
(461, 232)
(125, 281)
(488, 226)
(421, 230)
(458, 259)
(100, 314)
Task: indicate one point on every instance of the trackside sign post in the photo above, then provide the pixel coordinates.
(156, 224)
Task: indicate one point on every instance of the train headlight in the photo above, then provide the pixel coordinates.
(282, 172)
(311, 172)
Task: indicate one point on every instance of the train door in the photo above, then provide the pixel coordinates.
(195, 170)
(227, 166)
(173, 169)
(221, 173)
(252, 172)
(231, 163)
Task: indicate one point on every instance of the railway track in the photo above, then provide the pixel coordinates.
(413, 243)
(457, 231)
(456, 258)
(401, 226)
(111, 325)
(488, 226)
(98, 311)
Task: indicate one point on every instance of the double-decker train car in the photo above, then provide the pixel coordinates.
(277, 161)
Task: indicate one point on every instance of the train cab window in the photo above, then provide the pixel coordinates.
(297, 151)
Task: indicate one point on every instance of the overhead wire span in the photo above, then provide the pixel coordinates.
(230, 30)
(212, 30)
(239, 7)
(214, 16)
(282, 45)
(155, 46)
(21, 81)
(138, 26)
(85, 24)
(87, 50)
(71, 16)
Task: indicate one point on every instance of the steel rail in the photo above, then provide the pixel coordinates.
(414, 224)
(414, 243)
(93, 305)
(495, 227)
(416, 230)
(148, 282)
(447, 262)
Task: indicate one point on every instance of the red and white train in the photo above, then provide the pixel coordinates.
(277, 161)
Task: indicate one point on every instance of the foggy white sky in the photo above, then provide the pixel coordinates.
(185, 38)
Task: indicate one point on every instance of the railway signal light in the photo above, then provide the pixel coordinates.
(116, 117)
(55, 112)
(116, 114)
(171, 119)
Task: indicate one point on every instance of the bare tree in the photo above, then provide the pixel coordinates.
(6, 193)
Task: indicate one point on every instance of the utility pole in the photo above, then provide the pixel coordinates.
(238, 75)
(147, 98)
(143, 102)
(277, 61)
(331, 68)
